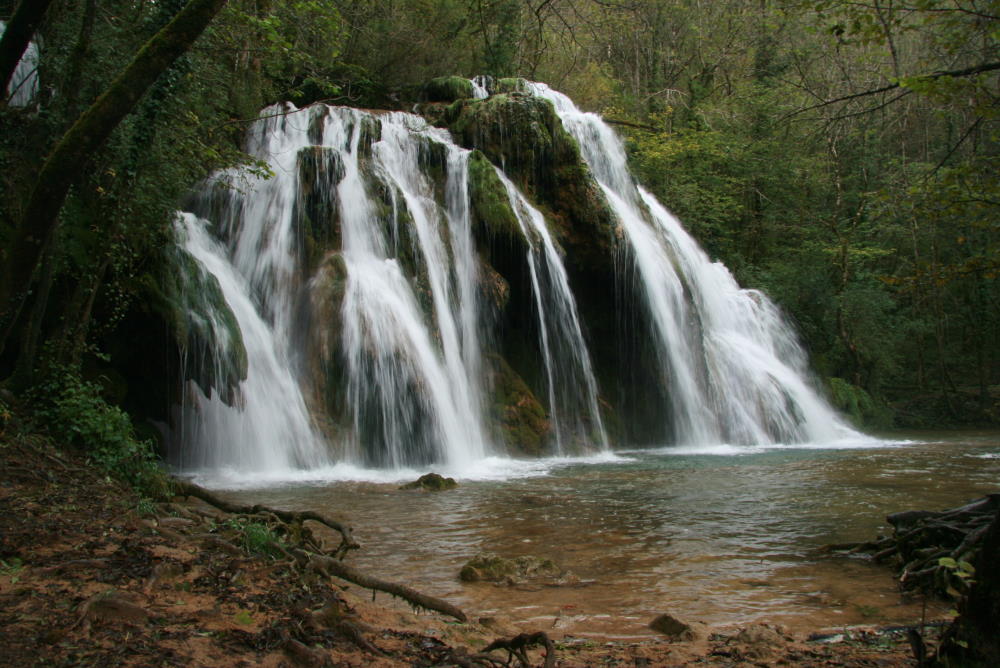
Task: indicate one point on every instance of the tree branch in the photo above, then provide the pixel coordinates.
(969, 71)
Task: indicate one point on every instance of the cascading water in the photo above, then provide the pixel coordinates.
(354, 281)
(732, 367)
(402, 334)
(572, 388)
(413, 398)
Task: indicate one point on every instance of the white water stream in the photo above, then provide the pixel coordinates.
(731, 365)
(412, 336)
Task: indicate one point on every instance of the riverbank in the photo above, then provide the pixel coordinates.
(93, 575)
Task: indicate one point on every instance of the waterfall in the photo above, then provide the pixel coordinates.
(731, 365)
(352, 313)
(269, 427)
(23, 85)
(572, 387)
(415, 385)
(390, 315)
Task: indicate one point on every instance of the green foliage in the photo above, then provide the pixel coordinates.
(73, 410)
(857, 404)
(255, 537)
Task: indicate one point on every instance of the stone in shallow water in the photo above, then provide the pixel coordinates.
(431, 482)
(672, 627)
(489, 567)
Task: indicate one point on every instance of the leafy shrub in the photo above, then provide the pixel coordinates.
(72, 409)
(858, 405)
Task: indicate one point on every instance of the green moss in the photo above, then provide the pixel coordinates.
(190, 301)
(518, 416)
(490, 204)
(525, 136)
(447, 89)
(510, 85)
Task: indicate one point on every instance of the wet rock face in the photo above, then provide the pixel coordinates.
(189, 300)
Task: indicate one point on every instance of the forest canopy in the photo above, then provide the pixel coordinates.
(842, 156)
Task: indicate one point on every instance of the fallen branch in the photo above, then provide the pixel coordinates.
(336, 568)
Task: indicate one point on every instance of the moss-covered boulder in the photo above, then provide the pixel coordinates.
(490, 567)
(189, 300)
(324, 327)
(492, 215)
(431, 482)
(447, 89)
(508, 85)
(524, 136)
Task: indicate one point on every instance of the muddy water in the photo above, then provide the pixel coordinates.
(725, 535)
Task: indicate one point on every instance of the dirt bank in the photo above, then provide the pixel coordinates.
(92, 575)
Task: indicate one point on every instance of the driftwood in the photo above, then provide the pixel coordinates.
(932, 551)
(347, 542)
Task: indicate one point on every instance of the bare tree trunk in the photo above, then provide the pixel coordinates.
(88, 133)
(16, 38)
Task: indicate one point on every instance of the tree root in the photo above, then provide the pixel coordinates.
(347, 541)
(334, 567)
(927, 547)
(517, 648)
(328, 565)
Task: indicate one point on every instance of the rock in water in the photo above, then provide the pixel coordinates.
(672, 627)
(489, 567)
(432, 482)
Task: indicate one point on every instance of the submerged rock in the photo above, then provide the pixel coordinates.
(432, 482)
(672, 627)
(490, 567)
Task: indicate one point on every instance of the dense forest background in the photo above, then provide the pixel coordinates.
(840, 155)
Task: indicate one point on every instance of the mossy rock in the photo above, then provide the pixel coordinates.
(431, 482)
(494, 290)
(490, 567)
(189, 300)
(491, 210)
(447, 89)
(525, 137)
(518, 416)
(672, 627)
(324, 331)
(509, 85)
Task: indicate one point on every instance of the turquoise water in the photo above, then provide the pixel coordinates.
(723, 535)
